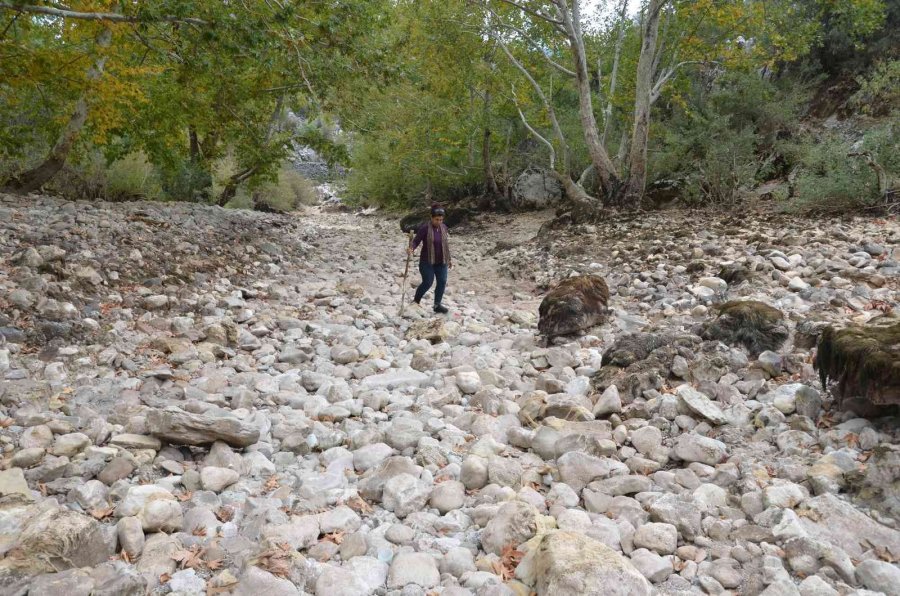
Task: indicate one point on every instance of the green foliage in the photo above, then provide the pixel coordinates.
(185, 94)
(879, 92)
(828, 180)
(723, 140)
(187, 181)
(132, 177)
(288, 192)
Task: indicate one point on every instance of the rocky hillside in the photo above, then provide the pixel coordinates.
(200, 401)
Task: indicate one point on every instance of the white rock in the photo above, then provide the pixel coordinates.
(468, 382)
(405, 494)
(700, 404)
(697, 448)
(608, 403)
(217, 479)
(418, 569)
(661, 538)
(879, 576)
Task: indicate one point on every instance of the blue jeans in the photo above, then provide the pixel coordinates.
(429, 273)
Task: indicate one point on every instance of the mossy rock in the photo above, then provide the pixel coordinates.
(574, 305)
(754, 325)
(864, 360)
(634, 348)
(734, 274)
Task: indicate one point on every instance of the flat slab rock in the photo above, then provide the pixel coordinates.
(845, 526)
(183, 428)
(395, 379)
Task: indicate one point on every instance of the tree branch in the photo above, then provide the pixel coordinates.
(667, 75)
(536, 133)
(540, 92)
(557, 24)
(96, 16)
(537, 46)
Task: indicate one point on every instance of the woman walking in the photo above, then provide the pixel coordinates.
(434, 261)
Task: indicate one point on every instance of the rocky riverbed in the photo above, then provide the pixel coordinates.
(200, 401)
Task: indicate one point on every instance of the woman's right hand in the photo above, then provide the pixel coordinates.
(409, 250)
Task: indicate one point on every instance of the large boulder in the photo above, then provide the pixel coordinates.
(177, 426)
(571, 564)
(535, 189)
(52, 540)
(864, 359)
(575, 304)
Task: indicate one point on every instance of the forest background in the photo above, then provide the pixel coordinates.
(622, 103)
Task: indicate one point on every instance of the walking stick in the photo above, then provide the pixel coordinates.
(405, 274)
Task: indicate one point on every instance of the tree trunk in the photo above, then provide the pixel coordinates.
(606, 171)
(607, 113)
(194, 144)
(633, 190)
(35, 178)
(490, 181)
(231, 186)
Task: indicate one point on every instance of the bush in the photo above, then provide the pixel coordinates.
(879, 93)
(288, 192)
(830, 181)
(132, 177)
(717, 142)
(188, 181)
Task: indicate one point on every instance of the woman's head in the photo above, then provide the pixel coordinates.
(437, 214)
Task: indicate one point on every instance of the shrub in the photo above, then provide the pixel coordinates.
(288, 192)
(828, 180)
(879, 93)
(188, 181)
(132, 177)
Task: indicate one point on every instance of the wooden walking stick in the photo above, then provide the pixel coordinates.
(405, 275)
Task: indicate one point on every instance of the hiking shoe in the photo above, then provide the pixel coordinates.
(441, 309)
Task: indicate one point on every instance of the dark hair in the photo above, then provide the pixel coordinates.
(436, 209)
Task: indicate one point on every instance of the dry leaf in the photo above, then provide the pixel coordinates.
(225, 514)
(185, 496)
(510, 557)
(276, 561)
(199, 531)
(101, 512)
(214, 565)
(190, 558)
(335, 537)
(271, 484)
(359, 505)
(164, 578)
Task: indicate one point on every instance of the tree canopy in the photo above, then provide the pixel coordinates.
(436, 98)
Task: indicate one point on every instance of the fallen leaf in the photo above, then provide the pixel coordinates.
(214, 565)
(101, 513)
(189, 558)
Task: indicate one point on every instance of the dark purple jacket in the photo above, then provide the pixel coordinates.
(421, 237)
